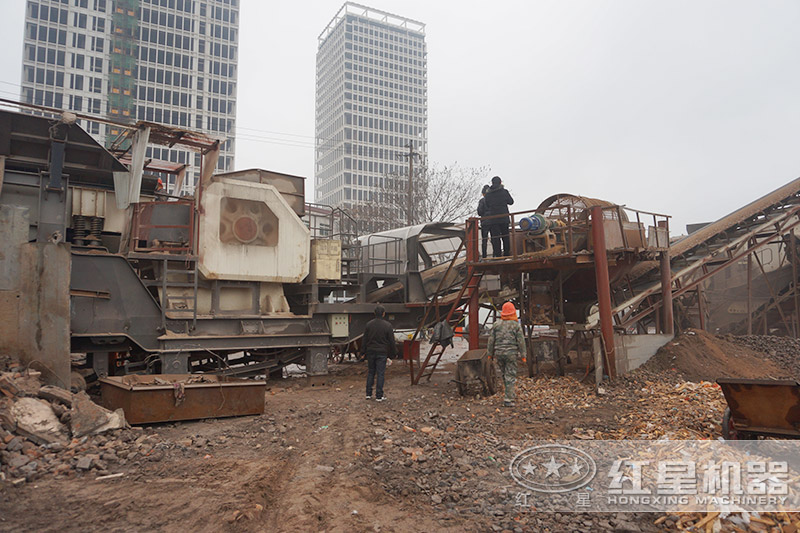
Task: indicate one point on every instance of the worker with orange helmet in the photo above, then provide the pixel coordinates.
(506, 344)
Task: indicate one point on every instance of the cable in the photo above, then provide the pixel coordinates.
(335, 150)
(235, 132)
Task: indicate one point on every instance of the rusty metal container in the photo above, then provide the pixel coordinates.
(475, 366)
(411, 350)
(170, 397)
(765, 407)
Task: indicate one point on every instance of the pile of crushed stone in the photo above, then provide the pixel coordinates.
(697, 355)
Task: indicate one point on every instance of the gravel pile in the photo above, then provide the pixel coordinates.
(784, 351)
(459, 462)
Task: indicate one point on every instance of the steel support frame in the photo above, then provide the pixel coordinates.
(473, 303)
(736, 250)
(603, 291)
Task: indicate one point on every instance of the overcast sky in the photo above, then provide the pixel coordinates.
(689, 108)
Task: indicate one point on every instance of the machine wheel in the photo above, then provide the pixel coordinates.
(490, 379)
(728, 431)
(337, 354)
(462, 387)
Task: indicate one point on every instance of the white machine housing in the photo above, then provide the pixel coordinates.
(248, 232)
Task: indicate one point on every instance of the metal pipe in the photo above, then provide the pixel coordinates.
(473, 255)
(749, 294)
(603, 290)
(701, 308)
(793, 251)
(668, 326)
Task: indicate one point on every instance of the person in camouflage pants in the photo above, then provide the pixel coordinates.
(506, 344)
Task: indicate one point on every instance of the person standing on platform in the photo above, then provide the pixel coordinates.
(482, 212)
(497, 201)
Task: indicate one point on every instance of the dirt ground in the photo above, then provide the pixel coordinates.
(326, 459)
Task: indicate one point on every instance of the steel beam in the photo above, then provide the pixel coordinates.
(474, 297)
(668, 326)
(603, 290)
(760, 236)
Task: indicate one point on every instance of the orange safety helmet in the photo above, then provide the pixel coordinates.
(509, 311)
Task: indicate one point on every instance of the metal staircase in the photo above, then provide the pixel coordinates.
(176, 272)
(443, 297)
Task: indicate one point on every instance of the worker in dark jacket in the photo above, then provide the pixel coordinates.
(482, 212)
(497, 201)
(377, 346)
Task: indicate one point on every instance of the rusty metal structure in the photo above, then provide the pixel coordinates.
(592, 271)
(760, 407)
(243, 278)
(567, 257)
(736, 275)
(168, 398)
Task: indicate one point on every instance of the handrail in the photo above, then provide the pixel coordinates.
(575, 227)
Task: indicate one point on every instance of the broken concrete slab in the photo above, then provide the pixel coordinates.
(36, 421)
(86, 417)
(57, 394)
(7, 420)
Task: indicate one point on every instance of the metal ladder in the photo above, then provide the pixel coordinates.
(472, 283)
(166, 283)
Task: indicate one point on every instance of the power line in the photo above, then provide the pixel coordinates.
(328, 145)
(269, 140)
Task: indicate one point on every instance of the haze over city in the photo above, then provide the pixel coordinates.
(680, 108)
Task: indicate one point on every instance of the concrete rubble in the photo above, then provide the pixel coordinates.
(49, 430)
(35, 420)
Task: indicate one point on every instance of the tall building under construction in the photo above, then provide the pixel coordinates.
(371, 103)
(172, 62)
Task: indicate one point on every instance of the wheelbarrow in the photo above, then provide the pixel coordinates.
(760, 407)
(475, 367)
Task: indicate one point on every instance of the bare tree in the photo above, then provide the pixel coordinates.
(447, 193)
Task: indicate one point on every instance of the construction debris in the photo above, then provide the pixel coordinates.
(447, 454)
(86, 417)
(47, 430)
(56, 394)
(730, 522)
(35, 420)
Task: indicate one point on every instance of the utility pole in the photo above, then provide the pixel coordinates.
(410, 200)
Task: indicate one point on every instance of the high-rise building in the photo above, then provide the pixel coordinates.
(371, 103)
(172, 62)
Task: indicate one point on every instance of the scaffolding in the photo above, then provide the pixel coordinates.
(122, 73)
